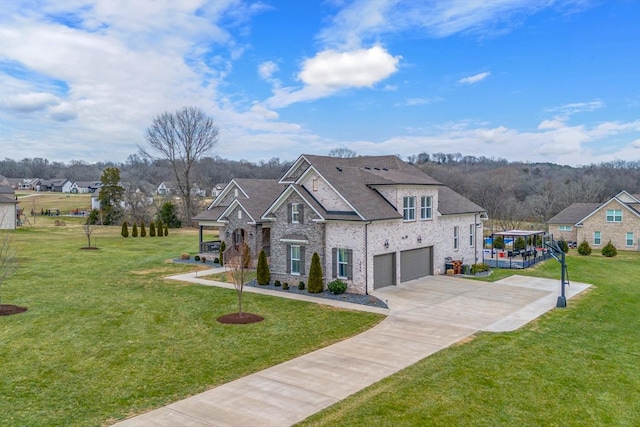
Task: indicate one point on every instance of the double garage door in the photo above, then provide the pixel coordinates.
(414, 263)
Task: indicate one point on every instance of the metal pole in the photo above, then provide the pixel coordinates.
(562, 300)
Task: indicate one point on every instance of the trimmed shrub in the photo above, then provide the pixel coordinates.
(337, 287)
(263, 275)
(160, 228)
(125, 230)
(277, 283)
(285, 286)
(479, 268)
(196, 258)
(143, 232)
(166, 231)
(223, 247)
(203, 259)
(152, 229)
(134, 230)
(216, 260)
(584, 248)
(563, 245)
(609, 250)
(185, 256)
(301, 286)
(315, 275)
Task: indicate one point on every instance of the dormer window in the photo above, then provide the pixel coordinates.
(235, 192)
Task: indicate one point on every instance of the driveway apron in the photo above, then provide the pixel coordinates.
(425, 316)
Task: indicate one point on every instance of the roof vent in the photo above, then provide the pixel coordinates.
(339, 169)
(377, 169)
(367, 168)
(385, 169)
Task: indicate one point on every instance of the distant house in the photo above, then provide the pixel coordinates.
(8, 204)
(23, 183)
(375, 221)
(197, 191)
(85, 187)
(616, 220)
(165, 189)
(217, 189)
(62, 185)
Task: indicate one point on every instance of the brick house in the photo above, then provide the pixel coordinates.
(616, 220)
(374, 221)
(563, 226)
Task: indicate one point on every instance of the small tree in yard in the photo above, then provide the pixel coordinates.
(169, 216)
(88, 229)
(263, 275)
(584, 248)
(609, 250)
(125, 230)
(237, 258)
(166, 231)
(134, 230)
(143, 231)
(563, 245)
(152, 229)
(314, 284)
(160, 228)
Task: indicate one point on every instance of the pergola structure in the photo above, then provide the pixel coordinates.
(520, 249)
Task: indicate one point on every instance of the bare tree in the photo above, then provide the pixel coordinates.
(342, 152)
(182, 137)
(89, 227)
(8, 261)
(237, 259)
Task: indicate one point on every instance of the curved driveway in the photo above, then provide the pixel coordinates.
(424, 316)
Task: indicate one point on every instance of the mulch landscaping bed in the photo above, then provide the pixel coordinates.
(236, 319)
(9, 309)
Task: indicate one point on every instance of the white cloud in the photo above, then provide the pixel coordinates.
(29, 102)
(555, 123)
(475, 78)
(414, 102)
(364, 20)
(578, 107)
(330, 71)
(266, 69)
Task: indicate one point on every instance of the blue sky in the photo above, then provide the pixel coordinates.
(550, 81)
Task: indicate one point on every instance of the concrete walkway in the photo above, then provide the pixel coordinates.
(425, 316)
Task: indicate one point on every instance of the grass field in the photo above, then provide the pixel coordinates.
(105, 336)
(578, 366)
(41, 201)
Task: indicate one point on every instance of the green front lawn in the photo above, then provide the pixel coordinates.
(107, 337)
(576, 366)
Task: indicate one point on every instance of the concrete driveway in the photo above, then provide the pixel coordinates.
(425, 316)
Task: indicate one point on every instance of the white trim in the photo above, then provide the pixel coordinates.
(232, 206)
(297, 241)
(282, 198)
(291, 169)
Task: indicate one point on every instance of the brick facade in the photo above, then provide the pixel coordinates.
(614, 231)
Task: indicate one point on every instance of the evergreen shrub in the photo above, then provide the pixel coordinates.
(584, 248)
(315, 275)
(609, 250)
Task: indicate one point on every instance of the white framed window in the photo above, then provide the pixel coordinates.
(409, 208)
(343, 263)
(235, 192)
(456, 235)
(564, 228)
(239, 214)
(614, 215)
(426, 207)
(630, 239)
(295, 259)
(597, 238)
(472, 234)
(295, 213)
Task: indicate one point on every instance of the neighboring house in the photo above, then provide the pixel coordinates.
(95, 202)
(374, 221)
(217, 189)
(85, 187)
(563, 225)
(8, 204)
(62, 185)
(197, 191)
(616, 220)
(165, 189)
(23, 183)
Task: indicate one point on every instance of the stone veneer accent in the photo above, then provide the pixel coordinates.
(313, 232)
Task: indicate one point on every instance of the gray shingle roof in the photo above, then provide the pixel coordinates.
(7, 195)
(574, 213)
(450, 202)
(356, 177)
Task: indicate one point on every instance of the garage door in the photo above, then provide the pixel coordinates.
(384, 270)
(416, 263)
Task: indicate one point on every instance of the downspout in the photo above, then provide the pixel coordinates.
(366, 257)
(475, 240)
